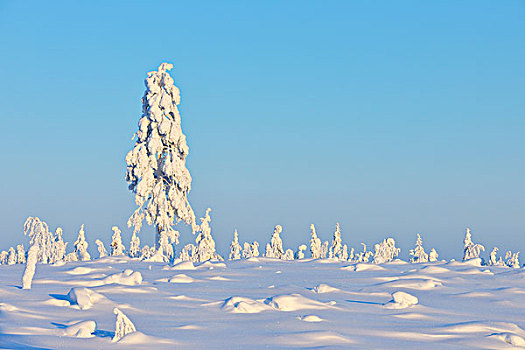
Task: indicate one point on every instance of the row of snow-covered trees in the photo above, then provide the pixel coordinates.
(52, 248)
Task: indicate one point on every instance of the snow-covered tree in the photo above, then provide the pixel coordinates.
(205, 243)
(493, 258)
(275, 248)
(123, 325)
(156, 166)
(20, 254)
(117, 248)
(58, 248)
(315, 243)
(3, 257)
(418, 253)
(471, 250)
(288, 255)
(39, 234)
(299, 254)
(433, 255)
(188, 253)
(146, 252)
(512, 260)
(235, 247)
(344, 254)
(11, 257)
(351, 255)
(385, 251)
(336, 249)
(71, 257)
(134, 246)
(102, 252)
(29, 272)
(81, 245)
(324, 250)
(250, 250)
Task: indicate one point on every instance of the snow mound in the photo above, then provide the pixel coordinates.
(324, 288)
(181, 278)
(413, 283)
(476, 262)
(401, 300)
(184, 265)
(294, 302)
(244, 305)
(511, 338)
(127, 278)
(83, 297)
(219, 278)
(81, 270)
(311, 318)
(139, 338)
(368, 267)
(82, 329)
(434, 269)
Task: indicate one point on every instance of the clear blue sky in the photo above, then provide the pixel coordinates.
(391, 118)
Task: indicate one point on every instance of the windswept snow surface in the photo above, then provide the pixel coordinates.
(245, 304)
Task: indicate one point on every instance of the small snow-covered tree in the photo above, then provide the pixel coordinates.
(134, 246)
(3, 257)
(20, 254)
(11, 257)
(288, 255)
(29, 272)
(58, 247)
(336, 249)
(512, 259)
(39, 234)
(81, 245)
(344, 253)
(117, 248)
(250, 250)
(156, 166)
(235, 247)
(418, 253)
(471, 250)
(493, 258)
(315, 243)
(351, 255)
(300, 251)
(324, 250)
(205, 243)
(102, 252)
(188, 253)
(433, 255)
(275, 248)
(147, 253)
(385, 251)
(123, 325)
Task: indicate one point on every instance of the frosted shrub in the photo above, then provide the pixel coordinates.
(71, 257)
(205, 243)
(235, 247)
(3, 257)
(324, 250)
(315, 243)
(300, 251)
(156, 166)
(20, 254)
(188, 253)
(433, 255)
(165, 251)
(385, 251)
(123, 325)
(493, 257)
(336, 249)
(134, 246)
(29, 272)
(351, 255)
(102, 252)
(344, 253)
(146, 252)
(275, 248)
(418, 253)
(81, 246)
(11, 257)
(288, 255)
(471, 250)
(117, 248)
(512, 260)
(58, 249)
(39, 235)
(250, 250)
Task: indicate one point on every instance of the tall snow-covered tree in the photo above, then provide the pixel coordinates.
(471, 250)
(275, 248)
(156, 166)
(20, 254)
(336, 249)
(81, 245)
(39, 235)
(205, 249)
(29, 271)
(315, 243)
(235, 247)
(324, 250)
(117, 248)
(134, 246)
(418, 253)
